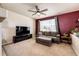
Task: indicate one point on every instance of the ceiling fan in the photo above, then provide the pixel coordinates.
(38, 11)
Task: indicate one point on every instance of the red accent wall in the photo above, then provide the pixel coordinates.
(67, 21)
(37, 26)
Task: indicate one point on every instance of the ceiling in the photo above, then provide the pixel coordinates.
(53, 8)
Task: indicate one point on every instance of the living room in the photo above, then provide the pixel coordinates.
(39, 29)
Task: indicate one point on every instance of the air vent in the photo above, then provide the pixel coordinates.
(2, 13)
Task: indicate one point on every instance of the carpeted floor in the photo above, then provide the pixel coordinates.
(31, 48)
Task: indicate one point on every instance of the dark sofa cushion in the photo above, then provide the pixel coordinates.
(54, 33)
(49, 33)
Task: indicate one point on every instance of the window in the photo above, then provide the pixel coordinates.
(48, 25)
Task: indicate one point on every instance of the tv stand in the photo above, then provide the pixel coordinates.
(21, 37)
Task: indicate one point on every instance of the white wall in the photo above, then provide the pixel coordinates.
(14, 19)
(0, 40)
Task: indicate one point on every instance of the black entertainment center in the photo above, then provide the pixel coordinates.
(22, 33)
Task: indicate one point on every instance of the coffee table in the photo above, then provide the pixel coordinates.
(44, 40)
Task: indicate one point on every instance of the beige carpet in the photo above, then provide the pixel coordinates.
(31, 48)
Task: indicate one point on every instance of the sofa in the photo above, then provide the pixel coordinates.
(54, 35)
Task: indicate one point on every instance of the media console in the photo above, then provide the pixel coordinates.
(21, 38)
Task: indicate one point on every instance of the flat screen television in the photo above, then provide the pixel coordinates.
(22, 30)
